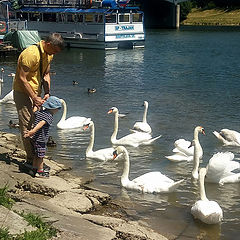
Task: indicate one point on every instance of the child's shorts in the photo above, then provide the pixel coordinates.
(40, 149)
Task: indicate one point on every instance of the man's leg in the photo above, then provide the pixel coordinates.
(25, 116)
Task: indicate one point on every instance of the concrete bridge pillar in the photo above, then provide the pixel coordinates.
(161, 14)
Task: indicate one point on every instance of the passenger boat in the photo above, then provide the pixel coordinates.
(106, 24)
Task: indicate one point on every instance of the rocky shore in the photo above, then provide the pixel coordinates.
(62, 200)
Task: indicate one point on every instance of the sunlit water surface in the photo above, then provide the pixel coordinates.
(189, 77)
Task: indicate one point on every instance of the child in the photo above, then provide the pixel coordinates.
(40, 132)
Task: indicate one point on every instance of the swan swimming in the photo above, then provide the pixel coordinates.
(72, 122)
(1, 76)
(184, 150)
(228, 137)
(152, 182)
(221, 167)
(8, 98)
(134, 139)
(207, 211)
(101, 154)
(142, 126)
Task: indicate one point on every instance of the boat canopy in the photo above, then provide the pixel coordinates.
(62, 10)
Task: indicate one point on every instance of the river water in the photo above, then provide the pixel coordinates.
(189, 77)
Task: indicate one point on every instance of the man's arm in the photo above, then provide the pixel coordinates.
(47, 83)
(30, 133)
(24, 71)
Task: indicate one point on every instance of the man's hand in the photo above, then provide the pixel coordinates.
(27, 133)
(46, 96)
(38, 101)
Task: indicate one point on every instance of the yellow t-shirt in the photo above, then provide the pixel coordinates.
(30, 58)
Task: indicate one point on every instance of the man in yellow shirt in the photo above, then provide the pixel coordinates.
(32, 75)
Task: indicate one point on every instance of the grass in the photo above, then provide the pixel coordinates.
(44, 230)
(5, 200)
(221, 17)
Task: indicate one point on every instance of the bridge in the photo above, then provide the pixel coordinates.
(161, 13)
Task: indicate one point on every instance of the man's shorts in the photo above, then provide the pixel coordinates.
(40, 149)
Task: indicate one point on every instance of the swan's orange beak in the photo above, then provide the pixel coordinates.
(110, 111)
(114, 155)
(203, 131)
(85, 127)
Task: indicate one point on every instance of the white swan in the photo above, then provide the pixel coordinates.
(228, 137)
(72, 122)
(207, 211)
(152, 182)
(142, 126)
(221, 167)
(197, 151)
(8, 98)
(101, 154)
(184, 150)
(133, 139)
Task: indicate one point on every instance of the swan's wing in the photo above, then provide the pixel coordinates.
(156, 182)
(73, 122)
(231, 136)
(104, 154)
(184, 146)
(179, 157)
(142, 127)
(8, 98)
(220, 166)
(207, 211)
(134, 138)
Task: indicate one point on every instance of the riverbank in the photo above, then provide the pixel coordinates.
(63, 200)
(215, 17)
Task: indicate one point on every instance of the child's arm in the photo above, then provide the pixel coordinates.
(30, 133)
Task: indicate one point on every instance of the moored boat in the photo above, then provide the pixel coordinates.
(107, 24)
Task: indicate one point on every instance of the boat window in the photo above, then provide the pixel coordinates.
(49, 17)
(41, 1)
(111, 18)
(12, 15)
(79, 18)
(22, 15)
(137, 17)
(61, 17)
(124, 18)
(89, 18)
(56, 2)
(99, 18)
(34, 16)
(71, 2)
(28, 1)
(70, 17)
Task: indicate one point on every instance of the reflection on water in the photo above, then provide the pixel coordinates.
(189, 78)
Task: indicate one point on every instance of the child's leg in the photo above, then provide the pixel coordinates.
(39, 164)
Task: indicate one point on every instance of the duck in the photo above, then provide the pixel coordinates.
(222, 169)
(8, 98)
(51, 142)
(104, 154)
(198, 152)
(205, 210)
(1, 76)
(151, 182)
(92, 90)
(184, 149)
(72, 122)
(228, 137)
(142, 126)
(74, 82)
(11, 124)
(133, 139)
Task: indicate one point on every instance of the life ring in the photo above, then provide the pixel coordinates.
(3, 27)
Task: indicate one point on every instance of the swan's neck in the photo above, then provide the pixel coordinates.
(126, 166)
(201, 185)
(64, 111)
(145, 114)
(196, 155)
(91, 142)
(115, 131)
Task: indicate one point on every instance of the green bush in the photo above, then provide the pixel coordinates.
(5, 200)
(185, 9)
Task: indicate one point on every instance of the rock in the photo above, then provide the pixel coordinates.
(13, 222)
